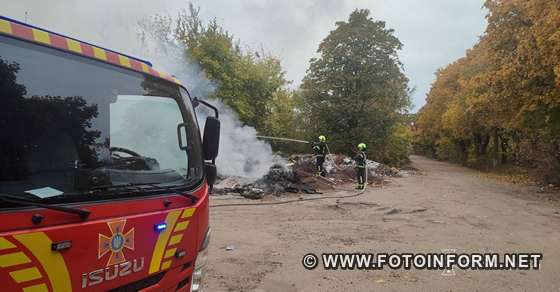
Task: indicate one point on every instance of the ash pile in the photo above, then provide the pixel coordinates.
(280, 180)
(298, 176)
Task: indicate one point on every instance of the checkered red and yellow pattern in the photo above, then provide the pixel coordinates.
(50, 39)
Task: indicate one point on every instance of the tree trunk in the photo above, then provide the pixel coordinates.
(480, 144)
(463, 150)
(477, 140)
(515, 147)
(495, 148)
(484, 145)
(504, 143)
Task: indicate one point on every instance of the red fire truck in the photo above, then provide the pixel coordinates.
(104, 177)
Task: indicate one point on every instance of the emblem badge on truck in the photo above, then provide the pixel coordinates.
(117, 266)
(115, 243)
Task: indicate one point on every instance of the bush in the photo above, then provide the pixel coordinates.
(398, 146)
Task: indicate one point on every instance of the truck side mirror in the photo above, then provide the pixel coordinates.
(211, 174)
(211, 140)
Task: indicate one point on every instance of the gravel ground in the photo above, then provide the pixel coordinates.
(447, 207)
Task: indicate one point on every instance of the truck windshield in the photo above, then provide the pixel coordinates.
(70, 125)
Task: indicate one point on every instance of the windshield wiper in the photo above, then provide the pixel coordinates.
(118, 186)
(25, 202)
(193, 198)
(136, 187)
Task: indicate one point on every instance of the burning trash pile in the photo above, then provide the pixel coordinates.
(298, 176)
(281, 179)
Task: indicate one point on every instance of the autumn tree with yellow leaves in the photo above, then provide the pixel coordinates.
(501, 102)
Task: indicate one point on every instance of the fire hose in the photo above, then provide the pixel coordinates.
(356, 194)
(283, 139)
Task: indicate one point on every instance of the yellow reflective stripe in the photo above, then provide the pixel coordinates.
(38, 288)
(181, 226)
(5, 26)
(145, 68)
(5, 244)
(166, 265)
(161, 243)
(41, 36)
(124, 61)
(170, 252)
(13, 259)
(99, 53)
(187, 213)
(74, 46)
(53, 263)
(25, 275)
(175, 239)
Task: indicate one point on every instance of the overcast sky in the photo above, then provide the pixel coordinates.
(434, 32)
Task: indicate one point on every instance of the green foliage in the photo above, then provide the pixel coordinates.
(284, 120)
(246, 81)
(398, 145)
(355, 90)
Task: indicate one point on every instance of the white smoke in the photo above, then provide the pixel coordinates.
(241, 153)
(160, 47)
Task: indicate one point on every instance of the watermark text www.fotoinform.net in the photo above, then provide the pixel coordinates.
(445, 261)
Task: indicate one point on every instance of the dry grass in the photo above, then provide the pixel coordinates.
(513, 175)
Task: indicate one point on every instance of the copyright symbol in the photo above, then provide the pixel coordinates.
(310, 261)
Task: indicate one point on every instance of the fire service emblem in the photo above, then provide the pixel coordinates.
(116, 242)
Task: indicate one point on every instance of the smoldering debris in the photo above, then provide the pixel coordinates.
(297, 176)
(281, 179)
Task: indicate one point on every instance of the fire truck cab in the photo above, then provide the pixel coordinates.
(104, 177)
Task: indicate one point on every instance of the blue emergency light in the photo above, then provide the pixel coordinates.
(160, 227)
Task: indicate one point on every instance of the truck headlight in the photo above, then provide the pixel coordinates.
(200, 265)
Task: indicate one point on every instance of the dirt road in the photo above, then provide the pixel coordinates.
(448, 207)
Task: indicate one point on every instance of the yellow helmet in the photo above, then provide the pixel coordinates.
(362, 146)
(322, 138)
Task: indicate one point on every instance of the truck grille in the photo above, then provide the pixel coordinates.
(141, 284)
(183, 283)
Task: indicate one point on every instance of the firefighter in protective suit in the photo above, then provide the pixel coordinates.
(320, 151)
(361, 166)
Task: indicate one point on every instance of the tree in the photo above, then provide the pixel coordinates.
(504, 94)
(245, 80)
(356, 90)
